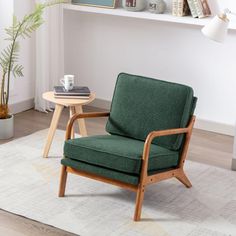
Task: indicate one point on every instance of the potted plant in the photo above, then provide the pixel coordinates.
(9, 62)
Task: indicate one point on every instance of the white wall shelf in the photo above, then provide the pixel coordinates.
(145, 15)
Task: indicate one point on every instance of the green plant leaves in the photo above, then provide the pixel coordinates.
(17, 70)
(9, 56)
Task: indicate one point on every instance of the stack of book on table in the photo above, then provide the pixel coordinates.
(79, 92)
(197, 8)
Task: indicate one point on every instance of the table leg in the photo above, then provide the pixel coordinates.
(72, 112)
(52, 129)
(82, 127)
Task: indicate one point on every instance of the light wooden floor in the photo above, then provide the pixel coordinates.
(206, 147)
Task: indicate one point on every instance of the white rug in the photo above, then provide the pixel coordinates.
(29, 186)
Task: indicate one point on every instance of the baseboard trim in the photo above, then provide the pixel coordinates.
(104, 104)
(101, 103)
(21, 106)
(215, 127)
(233, 167)
(200, 123)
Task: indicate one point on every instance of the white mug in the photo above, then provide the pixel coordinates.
(68, 82)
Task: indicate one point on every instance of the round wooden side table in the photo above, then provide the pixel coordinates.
(75, 106)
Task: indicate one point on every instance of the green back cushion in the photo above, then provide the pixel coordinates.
(141, 105)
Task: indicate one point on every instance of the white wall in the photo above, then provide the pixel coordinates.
(98, 47)
(21, 89)
(6, 12)
(6, 9)
(24, 87)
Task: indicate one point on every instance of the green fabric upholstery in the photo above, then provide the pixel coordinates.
(119, 153)
(193, 106)
(141, 105)
(101, 171)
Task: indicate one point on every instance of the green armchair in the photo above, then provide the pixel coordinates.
(150, 125)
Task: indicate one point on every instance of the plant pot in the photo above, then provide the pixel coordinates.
(7, 128)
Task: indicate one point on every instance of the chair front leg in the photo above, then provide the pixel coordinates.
(143, 180)
(139, 202)
(63, 179)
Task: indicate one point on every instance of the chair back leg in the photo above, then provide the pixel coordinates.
(183, 179)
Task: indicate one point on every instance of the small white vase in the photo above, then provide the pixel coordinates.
(134, 5)
(7, 128)
(157, 6)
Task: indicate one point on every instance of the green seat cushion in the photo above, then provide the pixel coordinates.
(101, 171)
(141, 105)
(119, 153)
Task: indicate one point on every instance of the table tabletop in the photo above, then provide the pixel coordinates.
(49, 96)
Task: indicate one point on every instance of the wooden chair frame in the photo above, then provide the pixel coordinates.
(145, 180)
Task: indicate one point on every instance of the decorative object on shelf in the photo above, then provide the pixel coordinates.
(157, 6)
(180, 8)
(9, 58)
(202, 8)
(97, 3)
(199, 8)
(174, 7)
(217, 30)
(192, 8)
(134, 5)
(206, 11)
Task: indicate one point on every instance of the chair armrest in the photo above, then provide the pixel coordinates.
(82, 116)
(167, 132)
(155, 134)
